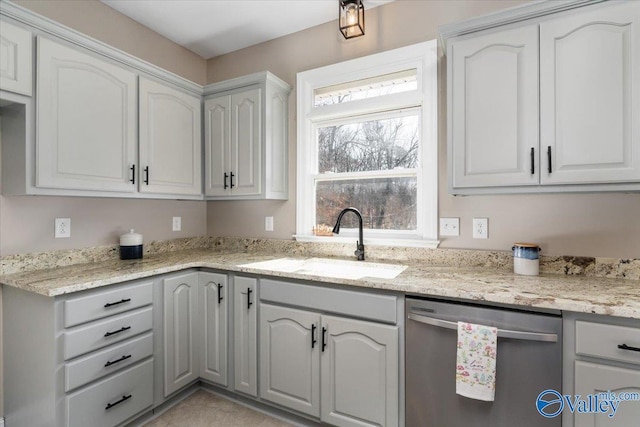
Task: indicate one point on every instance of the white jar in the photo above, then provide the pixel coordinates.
(131, 245)
(526, 259)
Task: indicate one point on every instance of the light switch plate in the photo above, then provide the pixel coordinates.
(268, 223)
(449, 226)
(480, 228)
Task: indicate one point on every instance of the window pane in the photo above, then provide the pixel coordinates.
(385, 203)
(402, 81)
(383, 144)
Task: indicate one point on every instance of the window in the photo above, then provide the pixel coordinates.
(367, 138)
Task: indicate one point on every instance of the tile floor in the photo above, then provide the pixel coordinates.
(204, 409)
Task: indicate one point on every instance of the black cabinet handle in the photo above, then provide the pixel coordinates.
(146, 175)
(231, 176)
(124, 398)
(122, 301)
(219, 293)
(549, 157)
(628, 347)
(249, 303)
(109, 363)
(133, 174)
(124, 328)
(533, 161)
(324, 338)
(226, 176)
(313, 335)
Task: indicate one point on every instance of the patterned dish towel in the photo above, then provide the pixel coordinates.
(476, 361)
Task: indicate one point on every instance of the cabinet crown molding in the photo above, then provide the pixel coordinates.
(46, 26)
(507, 16)
(248, 80)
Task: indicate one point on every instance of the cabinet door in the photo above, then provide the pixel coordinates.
(217, 124)
(170, 141)
(86, 121)
(214, 315)
(15, 59)
(245, 338)
(246, 156)
(493, 91)
(591, 378)
(181, 356)
(590, 95)
(290, 358)
(360, 375)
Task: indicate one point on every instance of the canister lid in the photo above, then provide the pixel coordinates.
(131, 239)
(526, 245)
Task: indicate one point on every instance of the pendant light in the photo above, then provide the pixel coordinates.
(351, 18)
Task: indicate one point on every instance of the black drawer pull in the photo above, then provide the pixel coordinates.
(628, 347)
(109, 363)
(533, 161)
(122, 301)
(249, 303)
(231, 175)
(226, 176)
(324, 338)
(549, 158)
(111, 405)
(133, 174)
(124, 328)
(313, 335)
(146, 175)
(220, 298)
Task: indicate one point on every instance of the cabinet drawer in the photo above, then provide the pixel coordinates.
(84, 339)
(601, 340)
(113, 400)
(108, 361)
(355, 304)
(106, 303)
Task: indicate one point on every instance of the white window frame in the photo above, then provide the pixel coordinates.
(422, 57)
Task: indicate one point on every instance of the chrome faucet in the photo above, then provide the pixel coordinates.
(359, 252)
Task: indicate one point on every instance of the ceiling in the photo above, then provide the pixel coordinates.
(215, 27)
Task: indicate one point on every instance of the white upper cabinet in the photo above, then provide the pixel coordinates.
(577, 131)
(170, 140)
(86, 121)
(246, 152)
(494, 109)
(16, 53)
(590, 96)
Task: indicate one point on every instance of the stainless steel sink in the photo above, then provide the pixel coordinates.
(325, 267)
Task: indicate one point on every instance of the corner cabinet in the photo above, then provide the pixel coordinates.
(587, 63)
(170, 140)
(215, 307)
(245, 335)
(246, 148)
(86, 133)
(16, 47)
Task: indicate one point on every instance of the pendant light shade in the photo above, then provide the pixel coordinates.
(351, 18)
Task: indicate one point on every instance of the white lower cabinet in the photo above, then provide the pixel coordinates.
(181, 332)
(215, 303)
(341, 370)
(245, 344)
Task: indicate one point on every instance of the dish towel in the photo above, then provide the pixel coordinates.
(476, 361)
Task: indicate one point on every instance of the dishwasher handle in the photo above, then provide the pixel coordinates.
(502, 333)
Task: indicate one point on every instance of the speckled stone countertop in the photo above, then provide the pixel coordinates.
(607, 296)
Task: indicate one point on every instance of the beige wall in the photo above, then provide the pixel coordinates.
(569, 224)
(26, 223)
(97, 20)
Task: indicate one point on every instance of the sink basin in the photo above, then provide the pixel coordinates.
(335, 268)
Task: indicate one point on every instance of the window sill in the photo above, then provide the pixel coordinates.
(410, 243)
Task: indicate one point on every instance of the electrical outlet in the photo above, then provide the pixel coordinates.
(480, 228)
(449, 226)
(62, 228)
(268, 223)
(177, 223)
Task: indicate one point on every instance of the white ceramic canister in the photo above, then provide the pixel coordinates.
(526, 259)
(131, 245)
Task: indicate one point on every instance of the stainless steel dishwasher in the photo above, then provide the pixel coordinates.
(529, 361)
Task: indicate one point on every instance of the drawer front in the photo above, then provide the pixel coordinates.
(93, 336)
(106, 303)
(364, 305)
(107, 361)
(600, 340)
(113, 400)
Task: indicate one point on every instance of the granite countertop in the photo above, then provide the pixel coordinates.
(615, 297)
